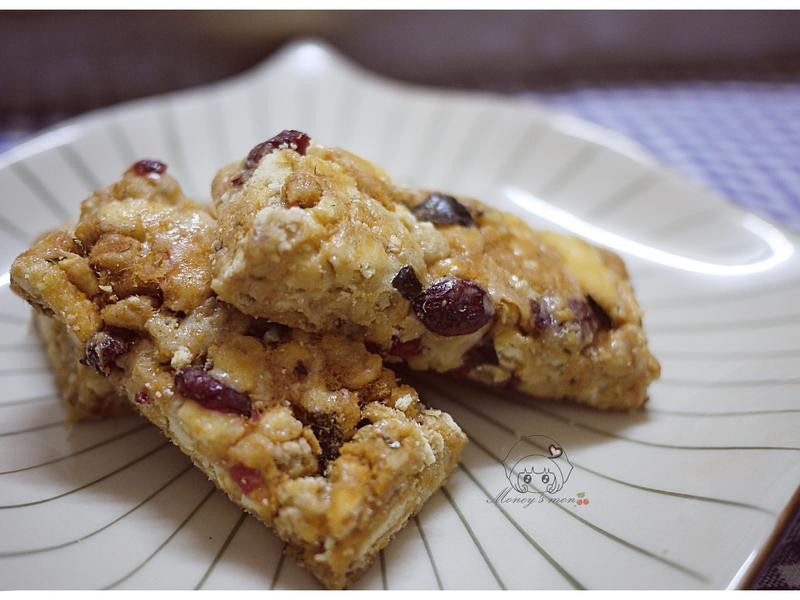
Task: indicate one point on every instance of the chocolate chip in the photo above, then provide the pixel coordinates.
(206, 390)
(453, 307)
(443, 210)
(407, 283)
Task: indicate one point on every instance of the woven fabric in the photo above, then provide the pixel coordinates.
(740, 138)
(782, 569)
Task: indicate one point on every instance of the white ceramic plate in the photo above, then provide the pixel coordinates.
(682, 494)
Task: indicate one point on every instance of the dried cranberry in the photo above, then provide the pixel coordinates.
(103, 349)
(482, 353)
(541, 318)
(407, 283)
(589, 316)
(199, 385)
(147, 167)
(584, 318)
(142, 397)
(443, 210)
(453, 307)
(246, 478)
(405, 349)
(604, 321)
(288, 138)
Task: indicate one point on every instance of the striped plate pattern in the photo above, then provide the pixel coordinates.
(682, 494)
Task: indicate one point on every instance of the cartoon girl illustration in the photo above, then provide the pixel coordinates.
(537, 464)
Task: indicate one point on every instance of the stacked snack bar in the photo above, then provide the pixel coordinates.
(308, 432)
(320, 239)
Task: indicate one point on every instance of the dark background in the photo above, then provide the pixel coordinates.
(68, 62)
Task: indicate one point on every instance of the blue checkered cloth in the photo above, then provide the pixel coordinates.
(740, 138)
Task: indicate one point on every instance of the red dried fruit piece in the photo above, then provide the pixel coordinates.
(142, 397)
(453, 307)
(103, 348)
(482, 353)
(407, 283)
(405, 349)
(587, 319)
(206, 390)
(240, 178)
(584, 317)
(541, 318)
(288, 138)
(604, 321)
(148, 167)
(589, 316)
(443, 210)
(246, 478)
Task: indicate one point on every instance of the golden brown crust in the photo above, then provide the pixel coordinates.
(315, 241)
(141, 251)
(309, 433)
(39, 277)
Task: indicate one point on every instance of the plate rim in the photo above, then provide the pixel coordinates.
(67, 131)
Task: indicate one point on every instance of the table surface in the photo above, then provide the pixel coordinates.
(740, 137)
